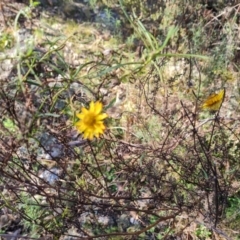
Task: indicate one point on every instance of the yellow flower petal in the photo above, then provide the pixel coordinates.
(214, 101)
(102, 116)
(98, 107)
(92, 107)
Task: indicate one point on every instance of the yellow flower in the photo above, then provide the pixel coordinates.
(214, 101)
(91, 121)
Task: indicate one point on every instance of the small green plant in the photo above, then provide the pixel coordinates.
(202, 232)
(93, 3)
(33, 213)
(6, 40)
(37, 217)
(233, 212)
(10, 125)
(234, 207)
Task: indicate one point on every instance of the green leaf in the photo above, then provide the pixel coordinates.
(9, 124)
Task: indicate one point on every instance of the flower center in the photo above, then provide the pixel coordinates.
(90, 119)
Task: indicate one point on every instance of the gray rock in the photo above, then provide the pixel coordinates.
(105, 220)
(53, 148)
(108, 19)
(51, 176)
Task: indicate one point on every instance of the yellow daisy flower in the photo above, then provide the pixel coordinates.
(91, 121)
(214, 101)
